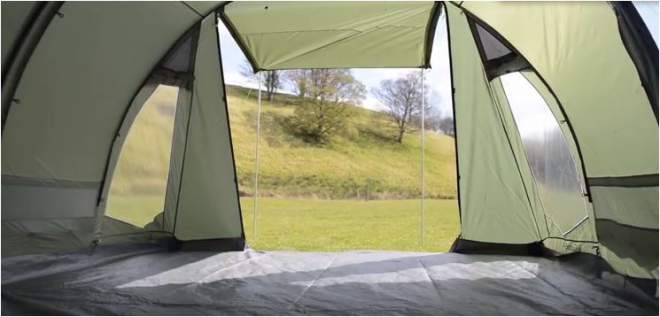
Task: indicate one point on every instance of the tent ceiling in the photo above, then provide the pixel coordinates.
(289, 35)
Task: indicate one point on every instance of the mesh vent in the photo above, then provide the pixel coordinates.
(493, 48)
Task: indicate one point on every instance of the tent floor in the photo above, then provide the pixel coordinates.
(147, 280)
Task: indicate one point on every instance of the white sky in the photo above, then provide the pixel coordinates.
(437, 78)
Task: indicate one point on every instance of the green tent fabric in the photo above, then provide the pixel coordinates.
(495, 205)
(289, 35)
(75, 76)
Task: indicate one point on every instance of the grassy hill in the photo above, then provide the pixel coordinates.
(362, 159)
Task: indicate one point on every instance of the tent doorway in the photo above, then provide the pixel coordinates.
(338, 164)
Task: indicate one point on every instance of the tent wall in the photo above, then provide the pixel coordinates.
(66, 112)
(208, 206)
(495, 205)
(584, 61)
(175, 70)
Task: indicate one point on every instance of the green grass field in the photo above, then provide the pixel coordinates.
(339, 225)
(312, 196)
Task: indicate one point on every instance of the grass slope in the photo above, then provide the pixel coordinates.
(362, 157)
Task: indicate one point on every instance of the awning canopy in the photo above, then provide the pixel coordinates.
(289, 35)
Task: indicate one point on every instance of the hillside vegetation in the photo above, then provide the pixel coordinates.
(362, 160)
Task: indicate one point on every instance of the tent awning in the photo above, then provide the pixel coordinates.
(290, 35)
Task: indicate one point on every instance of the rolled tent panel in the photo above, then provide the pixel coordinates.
(286, 35)
(494, 204)
(15, 18)
(208, 206)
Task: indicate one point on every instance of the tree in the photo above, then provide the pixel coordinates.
(299, 80)
(270, 79)
(328, 93)
(403, 99)
(446, 126)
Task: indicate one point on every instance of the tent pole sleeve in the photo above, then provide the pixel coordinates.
(453, 111)
(231, 138)
(430, 32)
(22, 52)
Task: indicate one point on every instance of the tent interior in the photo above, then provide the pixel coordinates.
(76, 76)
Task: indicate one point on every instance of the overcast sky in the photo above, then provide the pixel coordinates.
(437, 77)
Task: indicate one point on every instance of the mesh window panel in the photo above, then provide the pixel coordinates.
(493, 48)
(548, 154)
(137, 192)
(180, 59)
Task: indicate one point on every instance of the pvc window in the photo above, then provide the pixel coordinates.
(137, 193)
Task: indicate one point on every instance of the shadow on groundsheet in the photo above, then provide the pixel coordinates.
(147, 280)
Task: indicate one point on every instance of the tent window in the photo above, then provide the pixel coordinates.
(554, 169)
(137, 193)
(492, 47)
(179, 60)
(497, 55)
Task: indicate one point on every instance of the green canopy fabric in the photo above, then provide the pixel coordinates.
(289, 35)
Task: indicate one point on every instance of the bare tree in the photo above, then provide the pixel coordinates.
(299, 79)
(328, 93)
(403, 98)
(446, 126)
(271, 79)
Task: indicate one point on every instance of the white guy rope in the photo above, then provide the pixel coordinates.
(256, 161)
(421, 220)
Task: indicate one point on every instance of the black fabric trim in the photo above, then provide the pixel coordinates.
(569, 240)
(430, 32)
(22, 50)
(231, 139)
(477, 247)
(221, 245)
(232, 31)
(613, 222)
(650, 180)
(453, 111)
(552, 92)
(44, 182)
(640, 47)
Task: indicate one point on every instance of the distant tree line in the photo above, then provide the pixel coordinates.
(327, 95)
